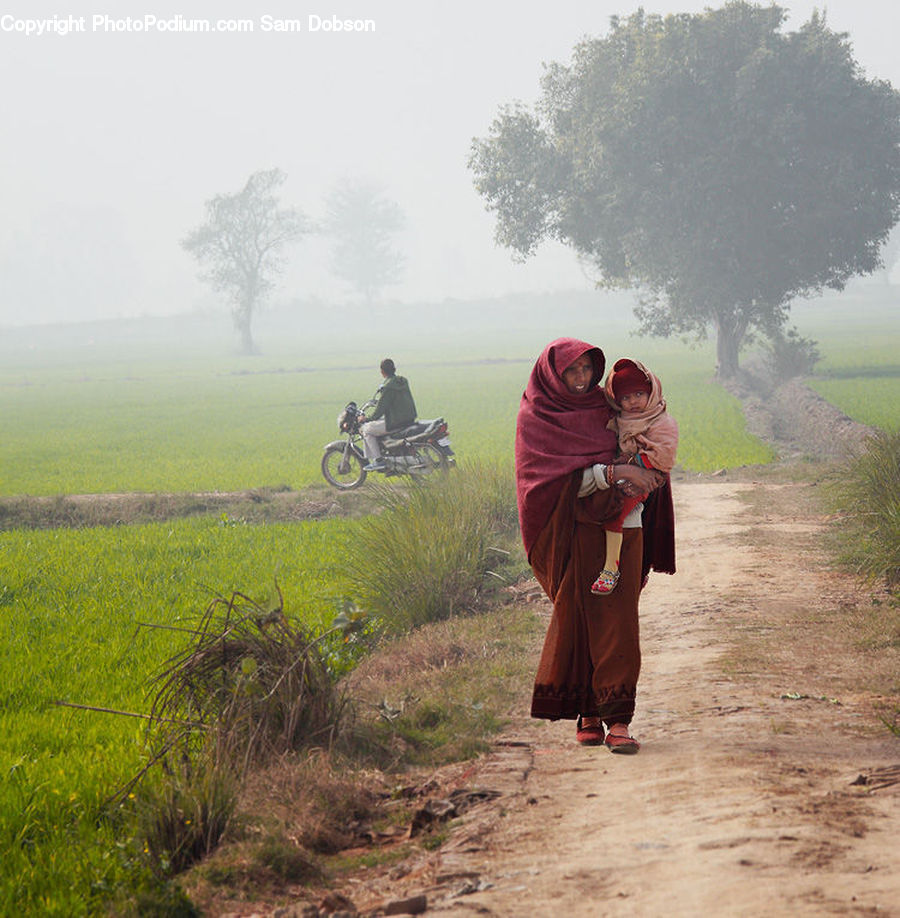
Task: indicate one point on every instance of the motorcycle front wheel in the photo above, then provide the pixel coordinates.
(343, 468)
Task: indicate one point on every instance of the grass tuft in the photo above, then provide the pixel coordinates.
(287, 861)
(867, 495)
(183, 814)
(425, 556)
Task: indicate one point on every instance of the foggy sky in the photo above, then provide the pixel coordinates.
(113, 139)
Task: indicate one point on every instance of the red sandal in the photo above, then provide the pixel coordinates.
(605, 582)
(619, 740)
(588, 734)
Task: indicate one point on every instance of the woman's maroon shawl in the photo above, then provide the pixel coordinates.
(558, 432)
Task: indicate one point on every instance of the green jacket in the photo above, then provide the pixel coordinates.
(395, 404)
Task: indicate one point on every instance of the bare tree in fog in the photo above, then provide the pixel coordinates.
(362, 223)
(717, 163)
(241, 245)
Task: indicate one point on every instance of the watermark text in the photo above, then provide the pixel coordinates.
(312, 23)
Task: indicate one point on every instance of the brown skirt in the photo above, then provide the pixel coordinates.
(591, 657)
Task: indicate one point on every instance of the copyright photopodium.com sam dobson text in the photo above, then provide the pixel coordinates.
(313, 23)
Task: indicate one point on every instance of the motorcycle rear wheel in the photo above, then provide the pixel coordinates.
(341, 475)
(433, 459)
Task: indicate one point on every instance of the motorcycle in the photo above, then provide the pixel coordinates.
(421, 448)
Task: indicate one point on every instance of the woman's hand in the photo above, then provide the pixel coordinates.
(634, 480)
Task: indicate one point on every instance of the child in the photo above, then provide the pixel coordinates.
(647, 436)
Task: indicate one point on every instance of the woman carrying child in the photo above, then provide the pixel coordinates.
(568, 485)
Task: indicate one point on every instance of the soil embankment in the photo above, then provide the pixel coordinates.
(797, 421)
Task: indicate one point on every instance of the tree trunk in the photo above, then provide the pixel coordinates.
(726, 355)
(248, 345)
(242, 316)
(730, 331)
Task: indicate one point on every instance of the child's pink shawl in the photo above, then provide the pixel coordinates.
(652, 431)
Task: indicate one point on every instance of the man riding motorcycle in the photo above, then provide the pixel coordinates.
(395, 409)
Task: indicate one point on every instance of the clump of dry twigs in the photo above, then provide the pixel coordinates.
(250, 686)
(252, 681)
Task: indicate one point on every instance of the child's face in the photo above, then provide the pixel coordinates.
(634, 401)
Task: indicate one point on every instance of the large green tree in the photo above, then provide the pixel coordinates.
(716, 162)
(241, 245)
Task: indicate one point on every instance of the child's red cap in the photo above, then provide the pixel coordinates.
(627, 380)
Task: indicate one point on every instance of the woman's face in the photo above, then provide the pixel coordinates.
(578, 375)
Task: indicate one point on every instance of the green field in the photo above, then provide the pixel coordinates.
(88, 418)
(72, 605)
(859, 337)
(121, 408)
(203, 432)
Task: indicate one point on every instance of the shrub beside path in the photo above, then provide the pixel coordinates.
(766, 783)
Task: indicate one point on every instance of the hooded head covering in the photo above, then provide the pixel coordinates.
(632, 376)
(651, 432)
(557, 432)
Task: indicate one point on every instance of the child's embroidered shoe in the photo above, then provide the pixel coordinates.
(606, 582)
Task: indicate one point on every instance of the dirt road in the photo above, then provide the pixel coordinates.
(756, 790)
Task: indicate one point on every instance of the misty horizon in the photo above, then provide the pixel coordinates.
(115, 138)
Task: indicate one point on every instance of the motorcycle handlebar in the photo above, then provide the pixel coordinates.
(361, 411)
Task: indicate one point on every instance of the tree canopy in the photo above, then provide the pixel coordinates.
(362, 223)
(719, 164)
(241, 245)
